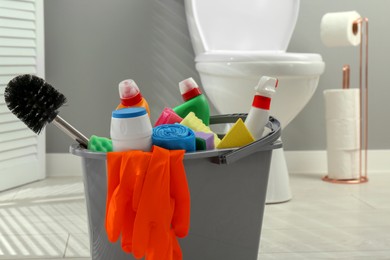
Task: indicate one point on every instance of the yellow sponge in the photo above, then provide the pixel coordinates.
(237, 136)
(197, 125)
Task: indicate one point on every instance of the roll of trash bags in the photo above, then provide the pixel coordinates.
(174, 137)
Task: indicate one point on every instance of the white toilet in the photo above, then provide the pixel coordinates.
(238, 42)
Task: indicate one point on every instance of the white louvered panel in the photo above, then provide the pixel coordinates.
(7, 118)
(23, 133)
(11, 61)
(14, 160)
(16, 70)
(18, 153)
(13, 140)
(13, 126)
(2, 102)
(16, 140)
(10, 51)
(4, 79)
(17, 24)
(16, 14)
(3, 107)
(17, 5)
(6, 42)
(22, 152)
(17, 33)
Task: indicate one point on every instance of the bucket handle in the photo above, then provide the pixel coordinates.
(267, 142)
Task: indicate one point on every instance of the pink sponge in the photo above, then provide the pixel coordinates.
(208, 138)
(168, 116)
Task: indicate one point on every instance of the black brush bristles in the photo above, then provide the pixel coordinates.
(34, 101)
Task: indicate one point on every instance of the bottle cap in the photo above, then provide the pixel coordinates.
(267, 86)
(129, 112)
(264, 91)
(129, 93)
(189, 89)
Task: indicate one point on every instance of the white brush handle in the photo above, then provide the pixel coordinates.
(70, 131)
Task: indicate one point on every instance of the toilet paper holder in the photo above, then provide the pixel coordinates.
(363, 62)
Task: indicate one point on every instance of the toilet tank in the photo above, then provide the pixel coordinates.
(241, 25)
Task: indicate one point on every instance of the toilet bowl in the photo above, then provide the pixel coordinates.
(238, 42)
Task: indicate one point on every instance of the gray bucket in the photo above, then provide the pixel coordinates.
(227, 188)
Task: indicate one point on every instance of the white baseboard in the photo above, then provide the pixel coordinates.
(378, 161)
(64, 164)
(306, 161)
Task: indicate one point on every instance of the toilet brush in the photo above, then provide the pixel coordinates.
(35, 102)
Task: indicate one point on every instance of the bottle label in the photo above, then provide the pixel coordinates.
(261, 102)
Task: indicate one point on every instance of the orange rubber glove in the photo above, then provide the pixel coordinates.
(119, 213)
(152, 223)
(180, 193)
(147, 192)
(114, 160)
(135, 166)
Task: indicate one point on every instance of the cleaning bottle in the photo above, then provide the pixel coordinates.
(131, 96)
(195, 101)
(131, 129)
(259, 113)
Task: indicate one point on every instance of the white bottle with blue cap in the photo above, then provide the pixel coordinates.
(131, 129)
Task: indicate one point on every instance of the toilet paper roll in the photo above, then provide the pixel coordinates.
(343, 165)
(343, 134)
(342, 103)
(340, 29)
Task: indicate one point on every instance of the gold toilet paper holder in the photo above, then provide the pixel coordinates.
(363, 142)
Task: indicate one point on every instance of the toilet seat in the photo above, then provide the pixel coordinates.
(278, 64)
(263, 56)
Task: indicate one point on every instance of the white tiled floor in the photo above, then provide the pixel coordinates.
(47, 220)
(44, 220)
(329, 221)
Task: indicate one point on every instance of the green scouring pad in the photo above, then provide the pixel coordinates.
(99, 144)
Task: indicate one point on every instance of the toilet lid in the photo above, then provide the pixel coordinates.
(257, 56)
(244, 25)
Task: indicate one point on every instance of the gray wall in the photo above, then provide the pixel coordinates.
(307, 131)
(91, 45)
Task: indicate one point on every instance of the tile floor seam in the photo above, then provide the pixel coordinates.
(319, 251)
(66, 246)
(366, 202)
(327, 228)
(16, 192)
